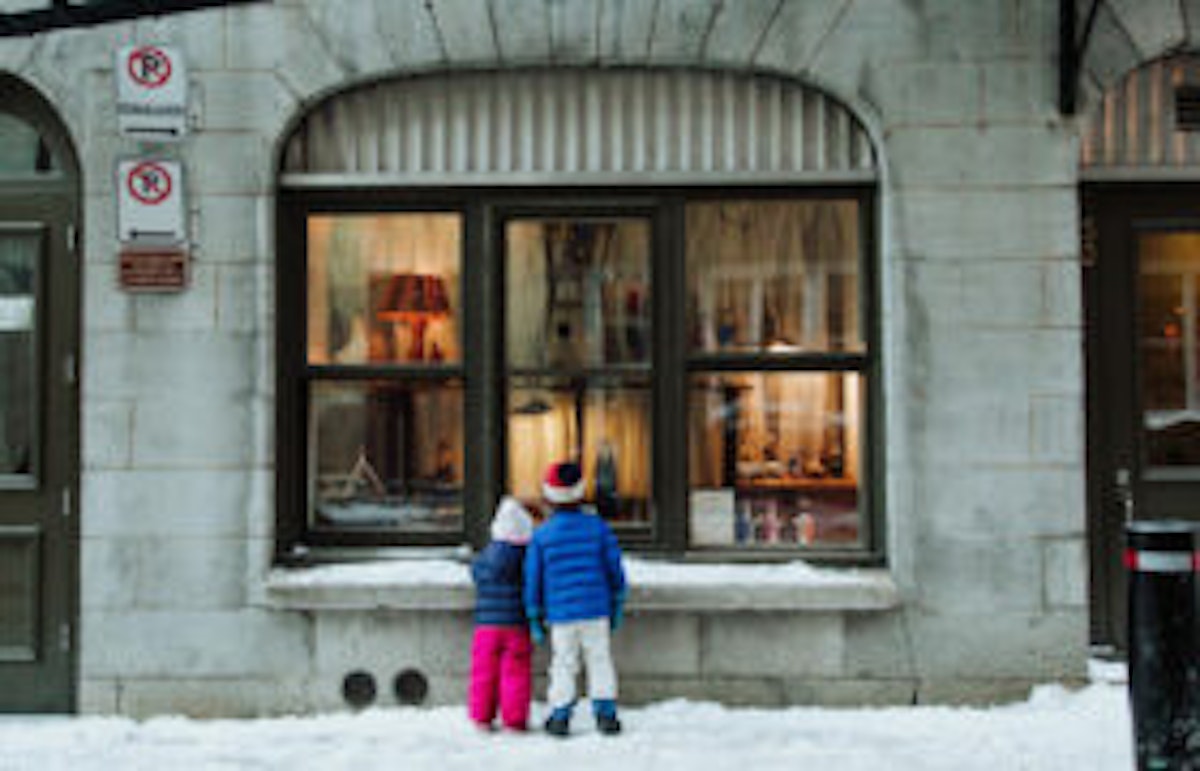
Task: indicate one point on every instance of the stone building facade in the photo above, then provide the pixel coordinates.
(190, 588)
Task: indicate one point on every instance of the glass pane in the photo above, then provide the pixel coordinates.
(19, 580)
(578, 292)
(774, 459)
(22, 150)
(1168, 340)
(773, 276)
(384, 288)
(605, 423)
(18, 354)
(387, 454)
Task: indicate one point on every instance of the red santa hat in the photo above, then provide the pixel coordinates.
(564, 483)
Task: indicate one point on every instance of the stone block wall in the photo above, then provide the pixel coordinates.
(982, 342)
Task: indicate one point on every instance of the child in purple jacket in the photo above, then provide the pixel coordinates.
(501, 672)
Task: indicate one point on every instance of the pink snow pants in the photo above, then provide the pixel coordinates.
(501, 675)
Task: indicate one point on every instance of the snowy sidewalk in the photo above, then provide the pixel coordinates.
(1056, 730)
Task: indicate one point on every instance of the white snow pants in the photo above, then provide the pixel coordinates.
(567, 640)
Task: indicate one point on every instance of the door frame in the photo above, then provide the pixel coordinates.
(1112, 216)
(54, 199)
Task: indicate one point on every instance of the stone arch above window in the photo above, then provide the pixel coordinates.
(1147, 122)
(580, 126)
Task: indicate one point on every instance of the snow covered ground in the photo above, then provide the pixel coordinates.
(1055, 730)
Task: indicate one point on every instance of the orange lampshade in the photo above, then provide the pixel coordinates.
(408, 297)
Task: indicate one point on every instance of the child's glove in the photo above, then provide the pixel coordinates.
(537, 630)
(618, 613)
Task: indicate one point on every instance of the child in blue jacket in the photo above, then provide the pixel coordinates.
(574, 583)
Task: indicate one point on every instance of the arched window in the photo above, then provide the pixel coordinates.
(664, 275)
(22, 148)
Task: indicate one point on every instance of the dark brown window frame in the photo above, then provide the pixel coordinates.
(484, 212)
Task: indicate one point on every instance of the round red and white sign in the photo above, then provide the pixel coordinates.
(149, 183)
(149, 67)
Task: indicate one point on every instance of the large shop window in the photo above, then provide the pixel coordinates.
(776, 373)
(385, 415)
(578, 355)
(707, 359)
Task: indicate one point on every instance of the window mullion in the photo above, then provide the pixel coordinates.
(670, 382)
(483, 351)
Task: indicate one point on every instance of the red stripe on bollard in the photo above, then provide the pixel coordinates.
(1160, 561)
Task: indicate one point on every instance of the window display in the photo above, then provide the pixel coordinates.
(578, 348)
(706, 359)
(605, 425)
(773, 277)
(775, 395)
(383, 288)
(385, 422)
(387, 454)
(786, 449)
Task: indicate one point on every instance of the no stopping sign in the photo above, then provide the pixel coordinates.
(150, 207)
(149, 183)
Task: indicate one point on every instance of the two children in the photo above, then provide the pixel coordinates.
(575, 584)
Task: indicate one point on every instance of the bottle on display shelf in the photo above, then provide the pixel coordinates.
(806, 525)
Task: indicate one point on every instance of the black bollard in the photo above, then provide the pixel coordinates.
(1164, 673)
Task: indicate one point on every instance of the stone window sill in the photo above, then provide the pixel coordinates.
(445, 584)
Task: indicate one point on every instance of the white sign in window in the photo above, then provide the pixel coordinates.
(16, 313)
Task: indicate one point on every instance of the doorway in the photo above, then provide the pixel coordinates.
(39, 445)
(1142, 292)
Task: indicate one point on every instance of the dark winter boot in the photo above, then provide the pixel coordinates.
(606, 716)
(559, 722)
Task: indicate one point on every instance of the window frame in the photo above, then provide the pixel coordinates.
(866, 363)
(599, 206)
(483, 367)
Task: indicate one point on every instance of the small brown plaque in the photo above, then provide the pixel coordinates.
(153, 270)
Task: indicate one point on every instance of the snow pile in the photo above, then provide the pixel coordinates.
(643, 572)
(640, 572)
(399, 572)
(1056, 730)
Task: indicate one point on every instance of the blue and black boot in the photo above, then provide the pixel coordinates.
(606, 716)
(559, 722)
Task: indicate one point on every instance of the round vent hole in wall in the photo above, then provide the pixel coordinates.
(411, 687)
(358, 689)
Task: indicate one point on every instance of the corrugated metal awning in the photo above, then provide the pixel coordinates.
(578, 127)
(1144, 127)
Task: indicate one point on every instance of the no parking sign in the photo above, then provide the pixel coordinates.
(150, 201)
(151, 92)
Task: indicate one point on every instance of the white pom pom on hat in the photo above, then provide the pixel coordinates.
(512, 522)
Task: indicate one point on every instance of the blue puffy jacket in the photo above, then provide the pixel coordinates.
(497, 574)
(573, 569)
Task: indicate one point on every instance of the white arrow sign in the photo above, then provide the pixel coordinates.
(151, 92)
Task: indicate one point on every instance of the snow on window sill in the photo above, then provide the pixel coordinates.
(445, 584)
